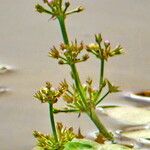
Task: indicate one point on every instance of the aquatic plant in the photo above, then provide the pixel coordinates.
(78, 97)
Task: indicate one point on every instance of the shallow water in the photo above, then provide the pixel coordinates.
(25, 40)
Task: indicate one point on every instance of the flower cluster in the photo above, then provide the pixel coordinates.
(69, 54)
(73, 100)
(57, 8)
(93, 96)
(49, 94)
(103, 49)
(47, 142)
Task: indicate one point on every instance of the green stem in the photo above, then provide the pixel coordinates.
(102, 98)
(73, 67)
(52, 121)
(78, 83)
(61, 20)
(93, 116)
(65, 111)
(101, 73)
(92, 113)
(100, 80)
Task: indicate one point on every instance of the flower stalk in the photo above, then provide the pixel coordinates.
(102, 98)
(73, 67)
(101, 73)
(52, 121)
(91, 113)
(93, 116)
(61, 20)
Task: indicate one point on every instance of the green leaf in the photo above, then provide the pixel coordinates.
(109, 106)
(81, 145)
(91, 145)
(112, 88)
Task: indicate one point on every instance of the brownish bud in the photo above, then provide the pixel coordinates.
(81, 46)
(54, 53)
(48, 85)
(61, 62)
(39, 8)
(80, 8)
(68, 98)
(89, 81)
(67, 4)
(85, 57)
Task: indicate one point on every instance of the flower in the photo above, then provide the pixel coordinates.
(106, 43)
(50, 1)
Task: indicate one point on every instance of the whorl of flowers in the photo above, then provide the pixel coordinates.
(49, 94)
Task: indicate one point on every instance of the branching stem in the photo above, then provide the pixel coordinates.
(73, 67)
(90, 111)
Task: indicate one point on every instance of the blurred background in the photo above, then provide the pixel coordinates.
(25, 39)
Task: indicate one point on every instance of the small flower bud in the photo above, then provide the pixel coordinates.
(54, 53)
(106, 44)
(50, 1)
(48, 85)
(98, 38)
(63, 46)
(39, 8)
(64, 85)
(85, 57)
(117, 51)
(61, 62)
(80, 9)
(81, 46)
(67, 4)
(92, 46)
(89, 81)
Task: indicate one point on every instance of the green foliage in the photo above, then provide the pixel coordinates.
(81, 145)
(90, 145)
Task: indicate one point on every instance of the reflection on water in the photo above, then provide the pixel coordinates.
(120, 138)
(3, 90)
(135, 135)
(5, 69)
